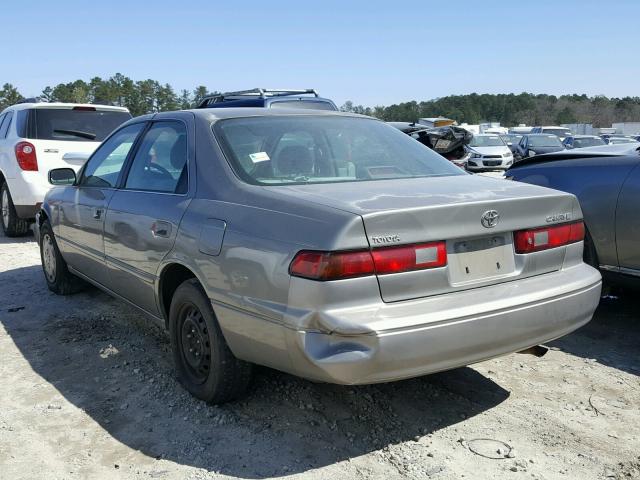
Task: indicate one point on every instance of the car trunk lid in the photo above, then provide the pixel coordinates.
(451, 209)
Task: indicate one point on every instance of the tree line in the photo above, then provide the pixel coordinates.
(512, 109)
(149, 96)
(140, 97)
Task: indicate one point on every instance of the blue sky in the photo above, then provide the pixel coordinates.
(372, 52)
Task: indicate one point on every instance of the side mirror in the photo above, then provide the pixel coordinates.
(62, 176)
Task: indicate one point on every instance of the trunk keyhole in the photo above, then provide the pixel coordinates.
(498, 265)
(467, 269)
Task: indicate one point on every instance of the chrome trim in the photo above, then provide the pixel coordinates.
(623, 270)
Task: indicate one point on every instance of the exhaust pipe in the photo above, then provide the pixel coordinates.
(536, 350)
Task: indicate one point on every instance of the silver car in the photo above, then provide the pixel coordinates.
(328, 245)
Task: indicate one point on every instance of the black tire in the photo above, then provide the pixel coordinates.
(205, 365)
(12, 225)
(58, 277)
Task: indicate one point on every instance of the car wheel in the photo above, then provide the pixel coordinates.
(58, 277)
(205, 365)
(12, 225)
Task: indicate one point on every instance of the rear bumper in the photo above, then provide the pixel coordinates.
(27, 191)
(447, 331)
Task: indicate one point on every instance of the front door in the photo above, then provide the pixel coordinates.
(143, 216)
(83, 209)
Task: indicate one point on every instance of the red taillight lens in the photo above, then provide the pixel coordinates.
(338, 265)
(26, 156)
(410, 257)
(534, 240)
(331, 265)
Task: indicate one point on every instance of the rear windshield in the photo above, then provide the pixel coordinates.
(283, 150)
(74, 125)
(306, 104)
(544, 141)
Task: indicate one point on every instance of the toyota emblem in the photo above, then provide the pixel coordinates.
(490, 218)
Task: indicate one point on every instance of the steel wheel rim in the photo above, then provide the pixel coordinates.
(195, 344)
(5, 209)
(48, 258)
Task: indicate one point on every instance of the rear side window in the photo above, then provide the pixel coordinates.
(78, 124)
(4, 128)
(3, 117)
(160, 164)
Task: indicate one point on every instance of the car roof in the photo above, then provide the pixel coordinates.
(45, 105)
(240, 112)
(600, 151)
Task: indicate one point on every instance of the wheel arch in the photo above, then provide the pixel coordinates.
(171, 276)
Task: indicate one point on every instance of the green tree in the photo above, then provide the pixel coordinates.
(9, 95)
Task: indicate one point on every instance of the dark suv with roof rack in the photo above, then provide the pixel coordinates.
(268, 98)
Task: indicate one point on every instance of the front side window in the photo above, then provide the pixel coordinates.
(281, 150)
(160, 164)
(104, 166)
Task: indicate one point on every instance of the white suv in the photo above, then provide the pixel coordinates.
(37, 137)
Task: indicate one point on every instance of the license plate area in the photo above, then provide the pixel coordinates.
(478, 259)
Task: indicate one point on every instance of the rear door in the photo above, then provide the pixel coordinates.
(83, 209)
(628, 224)
(143, 216)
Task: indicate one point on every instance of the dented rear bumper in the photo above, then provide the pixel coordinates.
(413, 338)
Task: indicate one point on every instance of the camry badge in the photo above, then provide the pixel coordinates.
(490, 218)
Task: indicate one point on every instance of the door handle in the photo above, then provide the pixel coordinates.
(160, 228)
(97, 213)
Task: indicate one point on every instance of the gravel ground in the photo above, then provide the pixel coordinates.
(88, 392)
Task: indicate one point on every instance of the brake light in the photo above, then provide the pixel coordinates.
(331, 265)
(410, 257)
(26, 156)
(84, 109)
(338, 265)
(534, 240)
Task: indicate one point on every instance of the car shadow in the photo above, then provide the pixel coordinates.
(613, 335)
(115, 365)
(27, 238)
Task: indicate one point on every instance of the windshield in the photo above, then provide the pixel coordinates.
(544, 141)
(587, 142)
(486, 141)
(76, 125)
(561, 132)
(281, 150)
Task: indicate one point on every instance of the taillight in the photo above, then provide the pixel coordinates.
(534, 240)
(26, 156)
(337, 265)
(410, 257)
(331, 265)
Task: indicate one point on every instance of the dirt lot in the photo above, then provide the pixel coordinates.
(88, 392)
